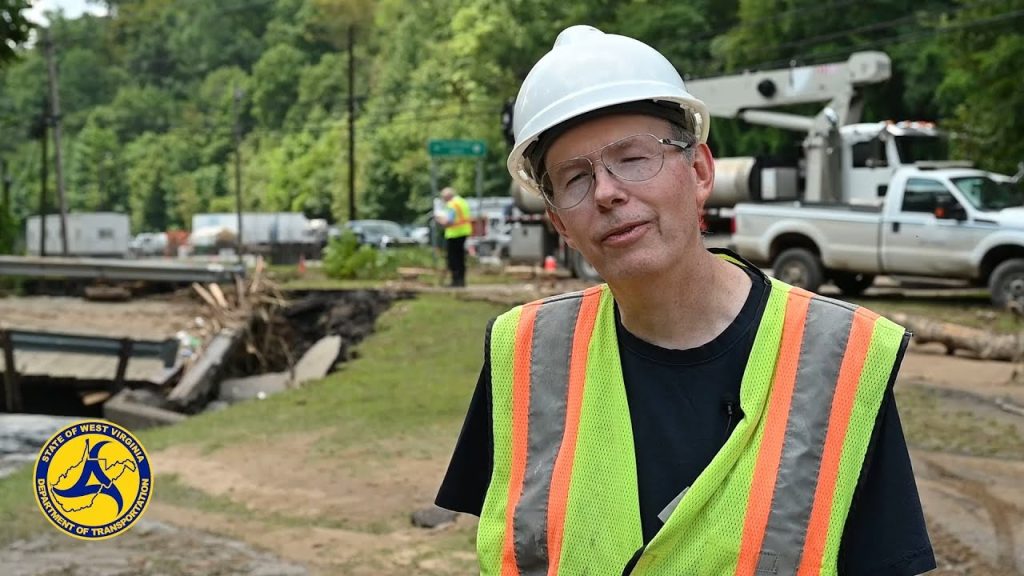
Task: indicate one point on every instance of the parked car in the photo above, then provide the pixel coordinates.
(420, 234)
(380, 233)
(148, 244)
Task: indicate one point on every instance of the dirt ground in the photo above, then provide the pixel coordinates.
(276, 508)
(974, 505)
(153, 318)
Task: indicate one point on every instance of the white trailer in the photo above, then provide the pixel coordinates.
(98, 234)
(258, 228)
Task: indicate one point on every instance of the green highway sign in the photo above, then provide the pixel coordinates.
(471, 148)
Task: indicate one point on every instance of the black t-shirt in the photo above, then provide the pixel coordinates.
(683, 405)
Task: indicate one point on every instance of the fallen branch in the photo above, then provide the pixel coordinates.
(204, 294)
(983, 344)
(257, 276)
(218, 295)
(1010, 407)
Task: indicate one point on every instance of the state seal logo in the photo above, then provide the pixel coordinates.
(93, 480)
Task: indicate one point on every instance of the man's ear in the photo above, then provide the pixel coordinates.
(703, 174)
(556, 221)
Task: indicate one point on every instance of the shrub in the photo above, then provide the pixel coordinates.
(346, 259)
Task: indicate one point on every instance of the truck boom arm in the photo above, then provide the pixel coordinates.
(727, 96)
(745, 96)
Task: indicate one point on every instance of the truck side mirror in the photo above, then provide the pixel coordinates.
(950, 211)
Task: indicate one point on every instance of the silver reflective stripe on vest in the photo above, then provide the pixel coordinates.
(553, 332)
(826, 332)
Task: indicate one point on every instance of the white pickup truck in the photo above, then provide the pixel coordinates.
(941, 222)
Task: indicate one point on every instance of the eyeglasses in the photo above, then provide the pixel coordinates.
(633, 159)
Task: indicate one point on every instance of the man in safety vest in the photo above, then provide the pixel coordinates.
(692, 416)
(458, 225)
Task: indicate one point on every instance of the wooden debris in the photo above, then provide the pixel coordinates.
(1010, 407)
(257, 275)
(413, 273)
(982, 344)
(525, 272)
(106, 293)
(218, 295)
(240, 300)
(93, 398)
(204, 294)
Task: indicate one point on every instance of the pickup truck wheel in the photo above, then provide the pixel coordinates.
(1006, 285)
(799, 267)
(852, 283)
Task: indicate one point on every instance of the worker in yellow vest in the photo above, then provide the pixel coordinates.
(458, 225)
(692, 416)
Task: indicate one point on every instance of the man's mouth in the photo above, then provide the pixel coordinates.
(624, 232)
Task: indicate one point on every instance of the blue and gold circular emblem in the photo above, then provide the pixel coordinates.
(93, 480)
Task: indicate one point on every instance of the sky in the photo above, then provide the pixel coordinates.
(72, 8)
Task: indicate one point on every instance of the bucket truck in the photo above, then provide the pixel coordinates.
(843, 161)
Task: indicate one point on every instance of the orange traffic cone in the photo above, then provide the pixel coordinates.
(302, 264)
(550, 265)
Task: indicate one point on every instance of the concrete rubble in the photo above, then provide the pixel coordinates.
(253, 387)
(318, 360)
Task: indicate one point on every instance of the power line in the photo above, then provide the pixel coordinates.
(801, 11)
(902, 39)
(876, 26)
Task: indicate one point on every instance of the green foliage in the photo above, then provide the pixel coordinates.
(14, 28)
(156, 97)
(982, 87)
(276, 80)
(8, 230)
(346, 259)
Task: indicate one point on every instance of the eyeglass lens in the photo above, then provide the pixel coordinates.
(634, 159)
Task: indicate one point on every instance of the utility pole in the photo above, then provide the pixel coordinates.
(238, 169)
(58, 166)
(351, 123)
(44, 121)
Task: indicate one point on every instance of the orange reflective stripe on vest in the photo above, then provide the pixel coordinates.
(804, 434)
(541, 469)
(461, 217)
(805, 426)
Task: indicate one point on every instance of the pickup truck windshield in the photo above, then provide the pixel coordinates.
(988, 195)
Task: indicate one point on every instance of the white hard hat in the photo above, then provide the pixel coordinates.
(588, 70)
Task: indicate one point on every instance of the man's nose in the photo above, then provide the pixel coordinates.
(608, 188)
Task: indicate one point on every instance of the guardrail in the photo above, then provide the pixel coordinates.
(114, 269)
(123, 348)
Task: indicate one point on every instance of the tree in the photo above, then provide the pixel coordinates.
(981, 90)
(275, 80)
(14, 28)
(97, 180)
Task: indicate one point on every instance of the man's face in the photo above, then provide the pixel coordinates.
(629, 230)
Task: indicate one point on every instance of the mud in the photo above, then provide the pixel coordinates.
(152, 548)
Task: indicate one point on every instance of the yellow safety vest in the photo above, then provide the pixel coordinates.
(563, 494)
(462, 225)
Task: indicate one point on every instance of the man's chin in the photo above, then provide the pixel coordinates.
(629, 270)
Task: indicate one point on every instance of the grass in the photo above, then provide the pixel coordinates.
(949, 421)
(968, 309)
(289, 278)
(417, 371)
(410, 386)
